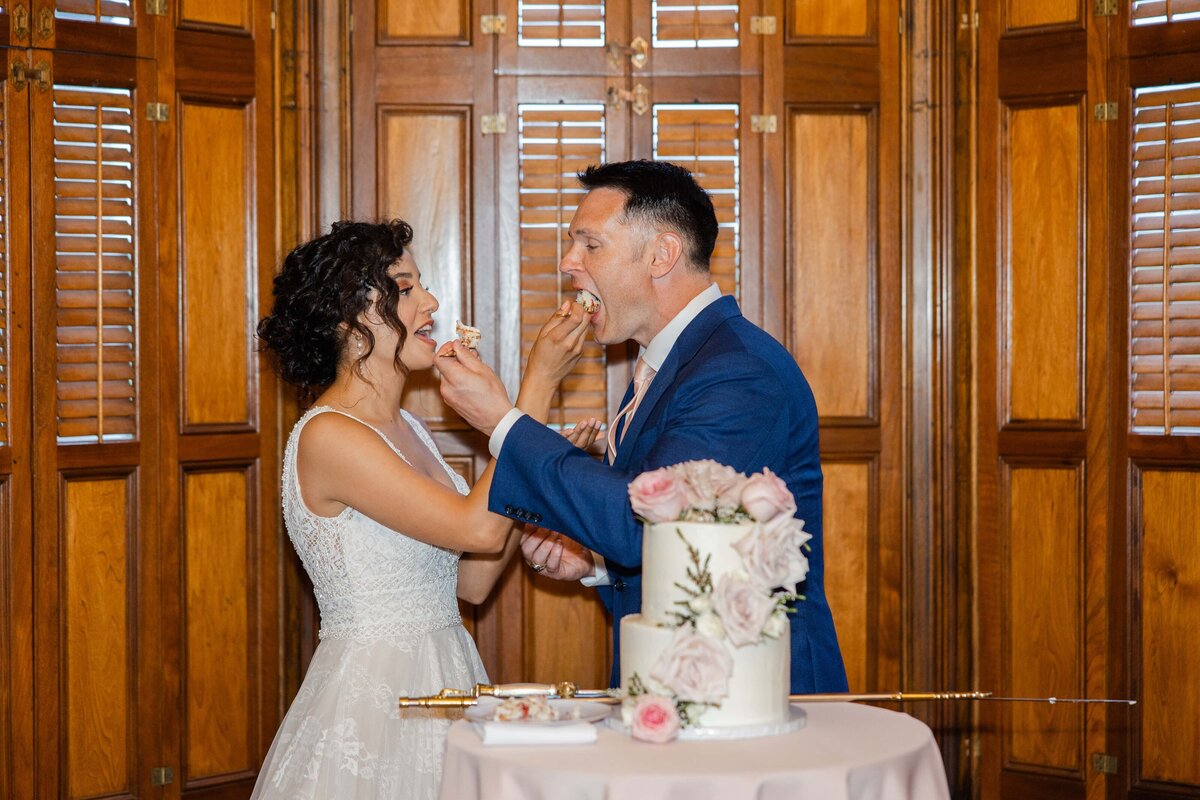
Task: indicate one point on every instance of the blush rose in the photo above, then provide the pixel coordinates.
(658, 496)
(654, 719)
(744, 609)
(694, 668)
(765, 496)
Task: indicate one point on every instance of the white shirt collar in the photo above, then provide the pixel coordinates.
(660, 346)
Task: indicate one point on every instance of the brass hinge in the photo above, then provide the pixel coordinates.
(45, 26)
(39, 75)
(20, 22)
(763, 26)
(1104, 763)
(493, 123)
(1105, 8)
(763, 123)
(158, 112)
(161, 776)
(1105, 112)
(493, 23)
(156, 8)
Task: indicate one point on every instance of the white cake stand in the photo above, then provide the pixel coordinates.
(795, 721)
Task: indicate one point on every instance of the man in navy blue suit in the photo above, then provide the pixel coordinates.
(709, 384)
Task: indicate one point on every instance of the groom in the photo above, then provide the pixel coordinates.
(708, 384)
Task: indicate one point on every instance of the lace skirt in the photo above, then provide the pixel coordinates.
(344, 737)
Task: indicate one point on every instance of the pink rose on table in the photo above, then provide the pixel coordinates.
(744, 608)
(654, 719)
(771, 553)
(694, 668)
(765, 496)
(658, 496)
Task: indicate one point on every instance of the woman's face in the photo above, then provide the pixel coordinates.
(414, 308)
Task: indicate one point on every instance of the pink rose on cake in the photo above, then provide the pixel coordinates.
(694, 668)
(744, 609)
(658, 496)
(765, 496)
(772, 555)
(654, 719)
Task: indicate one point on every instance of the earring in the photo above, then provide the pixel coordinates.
(358, 344)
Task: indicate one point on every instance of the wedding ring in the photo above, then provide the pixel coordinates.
(537, 567)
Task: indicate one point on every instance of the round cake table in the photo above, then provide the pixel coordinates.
(844, 752)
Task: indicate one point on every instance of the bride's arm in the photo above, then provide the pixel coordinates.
(554, 354)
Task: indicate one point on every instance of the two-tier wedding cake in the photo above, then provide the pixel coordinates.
(711, 645)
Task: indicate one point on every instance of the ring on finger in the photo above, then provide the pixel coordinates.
(537, 567)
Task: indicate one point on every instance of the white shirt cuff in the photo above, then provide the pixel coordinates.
(600, 577)
(496, 441)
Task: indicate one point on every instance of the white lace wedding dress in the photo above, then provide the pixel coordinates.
(389, 627)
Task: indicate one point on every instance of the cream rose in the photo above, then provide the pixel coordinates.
(771, 553)
(744, 609)
(654, 719)
(658, 496)
(694, 668)
(765, 496)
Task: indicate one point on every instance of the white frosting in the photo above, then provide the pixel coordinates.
(758, 689)
(665, 561)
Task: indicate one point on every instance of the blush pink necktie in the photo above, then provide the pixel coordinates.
(643, 373)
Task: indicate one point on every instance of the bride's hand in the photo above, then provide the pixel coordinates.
(558, 345)
(583, 435)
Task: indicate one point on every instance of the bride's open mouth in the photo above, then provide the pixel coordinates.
(424, 333)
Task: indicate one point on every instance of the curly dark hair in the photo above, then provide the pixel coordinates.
(322, 288)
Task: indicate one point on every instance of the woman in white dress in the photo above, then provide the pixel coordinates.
(378, 517)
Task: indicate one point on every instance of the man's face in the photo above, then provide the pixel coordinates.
(608, 258)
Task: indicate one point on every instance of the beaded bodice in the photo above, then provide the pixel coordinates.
(369, 580)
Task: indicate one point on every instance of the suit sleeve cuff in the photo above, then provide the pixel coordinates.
(496, 441)
(600, 577)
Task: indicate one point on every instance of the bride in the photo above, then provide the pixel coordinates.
(378, 517)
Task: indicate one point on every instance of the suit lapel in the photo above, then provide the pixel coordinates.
(686, 347)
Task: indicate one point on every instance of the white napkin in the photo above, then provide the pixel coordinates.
(517, 733)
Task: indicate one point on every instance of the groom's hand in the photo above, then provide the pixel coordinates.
(471, 388)
(564, 558)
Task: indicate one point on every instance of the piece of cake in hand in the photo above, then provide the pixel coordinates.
(589, 301)
(468, 335)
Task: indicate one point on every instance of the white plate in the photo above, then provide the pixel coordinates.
(795, 721)
(567, 712)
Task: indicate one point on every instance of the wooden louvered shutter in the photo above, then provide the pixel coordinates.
(561, 24)
(1152, 12)
(1165, 261)
(704, 139)
(113, 12)
(555, 143)
(95, 278)
(694, 23)
(4, 275)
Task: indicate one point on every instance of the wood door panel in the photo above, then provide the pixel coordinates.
(1042, 272)
(1167, 530)
(1041, 13)
(850, 19)
(234, 14)
(220, 585)
(217, 263)
(424, 21)
(850, 521)
(833, 265)
(424, 164)
(98, 529)
(1043, 610)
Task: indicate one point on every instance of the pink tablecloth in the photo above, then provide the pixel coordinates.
(845, 752)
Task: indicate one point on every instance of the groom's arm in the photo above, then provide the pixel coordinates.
(729, 411)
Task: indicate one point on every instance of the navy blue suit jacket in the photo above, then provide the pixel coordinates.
(727, 391)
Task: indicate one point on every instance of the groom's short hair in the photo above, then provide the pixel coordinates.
(664, 195)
